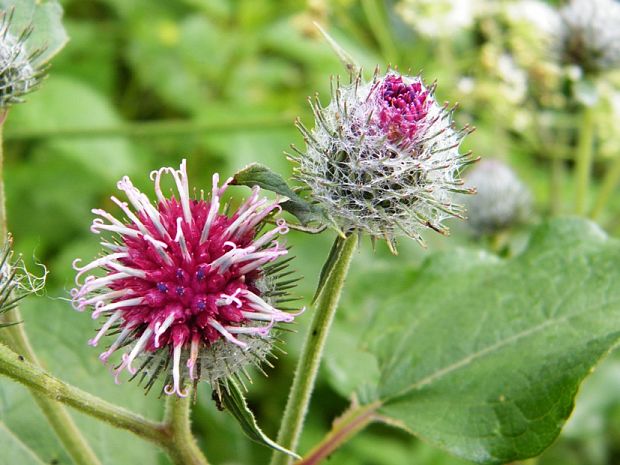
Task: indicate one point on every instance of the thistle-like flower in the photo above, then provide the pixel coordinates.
(16, 282)
(19, 71)
(589, 35)
(383, 158)
(187, 290)
(502, 200)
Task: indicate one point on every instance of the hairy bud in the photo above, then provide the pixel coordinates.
(383, 158)
(502, 199)
(19, 72)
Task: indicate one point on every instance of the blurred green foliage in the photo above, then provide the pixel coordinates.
(233, 75)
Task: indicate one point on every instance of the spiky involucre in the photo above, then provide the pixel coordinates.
(383, 158)
(19, 72)
(589, 34)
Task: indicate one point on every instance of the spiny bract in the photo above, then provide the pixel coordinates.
(19, 73)
(383, 158)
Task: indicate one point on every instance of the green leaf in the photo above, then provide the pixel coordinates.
(232, 399)
(45, 16)
(15, 451)
(256, 174)
(65, 102)
(483, 357)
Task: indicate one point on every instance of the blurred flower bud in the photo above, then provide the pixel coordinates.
(589, 36)
(502, 199)
(439, 18)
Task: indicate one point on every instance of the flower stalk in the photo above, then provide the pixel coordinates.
(312, 352)
(182, 447)
(583, 159)
(173, 435)
(45, 386)
(610, 183)
(354, 420)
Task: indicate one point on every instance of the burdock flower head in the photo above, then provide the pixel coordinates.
(187, 289)
(383, 158)
(16, 282)
(19, 72)
(589, 35)
(502, 200)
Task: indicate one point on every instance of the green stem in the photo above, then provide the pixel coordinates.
(153, 129)
(60, 420)
(348, 425)
(610, 183)
(182, 447)
(310, 359)
(556, 185)
(583, 159)
(45, 386)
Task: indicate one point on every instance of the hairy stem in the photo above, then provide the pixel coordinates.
(181, 446)
(153, 129)
(60, 420)
(348, 425)
(45, 386)
(610, 184)
(308, 364)
(556, 185)
(583, 160)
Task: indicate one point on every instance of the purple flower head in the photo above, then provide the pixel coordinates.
(383, 158)
(186, 289)
(403, 107)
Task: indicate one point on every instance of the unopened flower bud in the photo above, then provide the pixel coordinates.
(383, 158)
(19, 72)
(502, 200)
(589, 35)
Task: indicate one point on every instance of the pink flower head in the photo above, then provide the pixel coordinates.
(186, 289)
(383, 158)
(402, 107)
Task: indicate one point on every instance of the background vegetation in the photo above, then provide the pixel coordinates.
(143, 83)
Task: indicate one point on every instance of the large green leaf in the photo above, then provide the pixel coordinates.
(483, 357)
(65, 102)
(15, 451)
